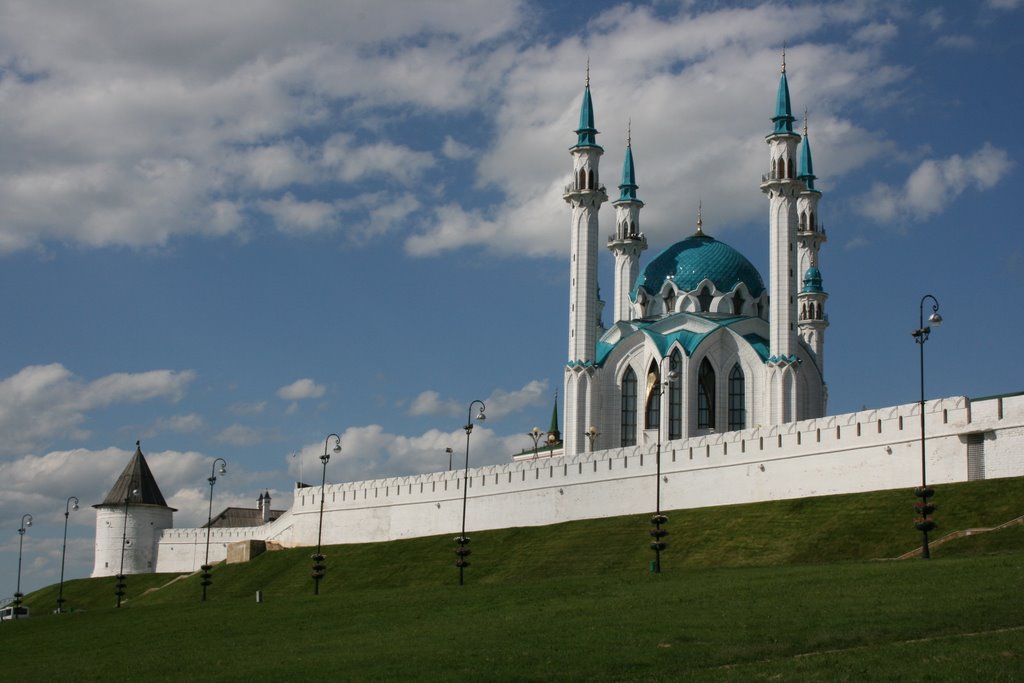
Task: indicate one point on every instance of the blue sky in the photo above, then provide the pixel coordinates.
(231, 230)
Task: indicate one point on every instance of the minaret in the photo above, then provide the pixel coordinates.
(584, 194)
(628, 242)
(782, 188)
(810, 235)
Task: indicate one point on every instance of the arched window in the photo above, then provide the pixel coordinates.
(737, 303)
(590, 181)
(737, 399)
(803, 311)
(581, 184)
(628, 425)
(803, 220)
(670, 301)
(705, 396)
(814, 225)
(789, 168)
(652, 411)
(781, 168)
(704, 299)
(675, 396)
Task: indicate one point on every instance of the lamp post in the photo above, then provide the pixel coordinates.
(26, 522)
(318, 559)
(209, 521)
(461, 551)
(592, 435)
(536, 435)
(659, 534)
(924, 509)
(120, 592)
(63, 551)
(449, 452)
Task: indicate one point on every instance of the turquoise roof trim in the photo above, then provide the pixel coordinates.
(783, 118)
(687, 339)
(628, 185)
(689, 262)
(586, 134)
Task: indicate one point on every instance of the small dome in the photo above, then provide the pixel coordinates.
(812, 280)
(699, 257)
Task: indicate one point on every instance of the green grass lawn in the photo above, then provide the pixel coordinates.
(784, 591)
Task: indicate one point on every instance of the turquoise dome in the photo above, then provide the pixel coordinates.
(812, 280)
(690, 261)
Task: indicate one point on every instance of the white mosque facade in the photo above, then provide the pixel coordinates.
(708, 387)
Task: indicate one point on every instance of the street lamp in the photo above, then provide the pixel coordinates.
(536, 435)
(461, 552)
(449, 452)
(318, 559)
(592, 435)
(26, 522)
(63, 550)
(124, 543)
(209, 520)
(924, 509)
(659, 534)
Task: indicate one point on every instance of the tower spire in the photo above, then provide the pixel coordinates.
(783, 118)
(806, 168)
(700, 219)
(628, 186)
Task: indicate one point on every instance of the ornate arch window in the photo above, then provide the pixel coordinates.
(590, 181)
(737, 303)
(737, 399)
(675, 396)
(705, 396)
(652, 410)
(670, 301)
(581, 184)
(704, 299)
(628, 410)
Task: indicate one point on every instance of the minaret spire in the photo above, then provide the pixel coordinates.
(700, 219)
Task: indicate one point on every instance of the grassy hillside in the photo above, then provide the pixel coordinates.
(775, 590)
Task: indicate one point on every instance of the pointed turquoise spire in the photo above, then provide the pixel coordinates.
(628, 185)
(806, 167)
(783, 118)
(586, 133)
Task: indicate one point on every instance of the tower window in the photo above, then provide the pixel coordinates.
(582, 182)
(590, 181)
(628, 411)
(737, 303)
(737, 399)
(670, 302)
(705, 396)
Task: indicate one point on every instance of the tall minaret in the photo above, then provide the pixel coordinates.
(584, 194)
(810, 235)
(782, 188)
(628, 241)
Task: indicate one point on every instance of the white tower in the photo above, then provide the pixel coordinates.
(584, 194)
(628, 242)
(810, 236)
(782, 188)
(129, 521)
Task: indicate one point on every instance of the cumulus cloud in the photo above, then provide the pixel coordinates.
(183, 424)
(40, 403)
(240, 435)
(876, 33)
(291, 215)
(935, 184)
(499, 403)
(247, 408)
(301, 389)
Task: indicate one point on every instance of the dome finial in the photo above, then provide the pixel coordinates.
(629, 132)
(783, 57)
(805, 122)
(700, 219)
(588, 71)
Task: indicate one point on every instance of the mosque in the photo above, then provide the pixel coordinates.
(708, 388)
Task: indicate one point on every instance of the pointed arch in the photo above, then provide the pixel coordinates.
(737, 399)
(737, 302)
(704, 299)
(628, 409)
(590, 181)
(705, 396)
(675, 395)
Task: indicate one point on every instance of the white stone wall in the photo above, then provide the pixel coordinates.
(145, 524)
(863, 451)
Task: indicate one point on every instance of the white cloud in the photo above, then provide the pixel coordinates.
(291, 215)
(247, 408)
(430, 403)
(240, 435)
(184, 424)
(40, 403)
(453, 149)
(301, 389)
(1004, 4)
(876, 33)
(934, 184)
(499, 403)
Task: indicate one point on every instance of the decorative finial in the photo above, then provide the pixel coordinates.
(629, 132)
(783, 57)
(805, 121)
(138, 444)
(588, 71)
(700, 219)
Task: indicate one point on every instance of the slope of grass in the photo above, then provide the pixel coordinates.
(774, 591)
